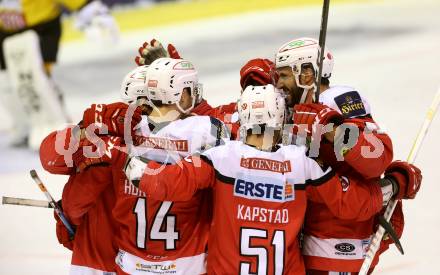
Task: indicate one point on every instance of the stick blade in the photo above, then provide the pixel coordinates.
(25, 202)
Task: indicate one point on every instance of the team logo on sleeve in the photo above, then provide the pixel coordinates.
(345, 182)
(351, 104)
(264, 189)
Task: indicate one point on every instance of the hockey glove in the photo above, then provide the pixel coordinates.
(63, 235)
(307, 117)
(112, 116)
(104, 150)
(406, 177)
(154, 50)
(257, 72)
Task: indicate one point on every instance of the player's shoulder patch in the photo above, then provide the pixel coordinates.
(346, 100)
(351, 104)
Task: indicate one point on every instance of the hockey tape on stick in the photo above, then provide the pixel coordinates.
(25, 202)
(52, 203)
(322, 38)
(377, 238)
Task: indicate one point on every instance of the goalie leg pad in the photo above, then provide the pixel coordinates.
(34, 88)
(19, 126)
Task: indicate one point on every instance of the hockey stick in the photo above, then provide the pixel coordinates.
(52, 203)
(25, 202)
(322, 37)
(377, 238)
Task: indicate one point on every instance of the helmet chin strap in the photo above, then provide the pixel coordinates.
(196, 94)
(142, 101)
(306, 92)
(303, 96)
(306, 88)
(187, 111)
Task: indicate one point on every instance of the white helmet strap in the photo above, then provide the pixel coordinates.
(193, 94)
(186, 111)
(306, 88)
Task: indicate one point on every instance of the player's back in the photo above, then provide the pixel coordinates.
(259, 209)
(155, 236)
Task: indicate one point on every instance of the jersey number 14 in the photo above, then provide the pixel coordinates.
(169, 235)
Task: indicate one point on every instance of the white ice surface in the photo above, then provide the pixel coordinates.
(389, 50)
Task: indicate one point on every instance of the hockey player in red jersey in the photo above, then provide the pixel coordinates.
(260, 190)
(92, 253)
(326, 236)
(156, 237)
(93, 247)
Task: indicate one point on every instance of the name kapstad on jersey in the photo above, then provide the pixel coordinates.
(261, 214)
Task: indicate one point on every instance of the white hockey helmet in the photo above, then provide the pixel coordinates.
(302, 51)
(166, 79)
(133, 86)
(261, 105)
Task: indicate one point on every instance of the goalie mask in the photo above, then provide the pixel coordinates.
(261, 105)
(133, 86)
(300, 52)
(166, 80)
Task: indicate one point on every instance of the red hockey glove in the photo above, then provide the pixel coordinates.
(256, 72)
(311, 115)
(408, 178)
(61, 230)
(154, 50)
(113, 116)
(106, 150)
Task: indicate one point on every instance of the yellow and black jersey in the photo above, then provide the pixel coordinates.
(16, 15)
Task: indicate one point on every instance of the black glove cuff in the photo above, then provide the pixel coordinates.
(389, 179)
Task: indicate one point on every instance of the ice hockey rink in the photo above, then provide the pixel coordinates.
(389, 50)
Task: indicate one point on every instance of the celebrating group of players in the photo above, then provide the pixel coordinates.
(163, 183)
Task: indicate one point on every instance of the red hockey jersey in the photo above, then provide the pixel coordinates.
(259, 203)
(156, 237)
(333, 243)
(94, 249)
